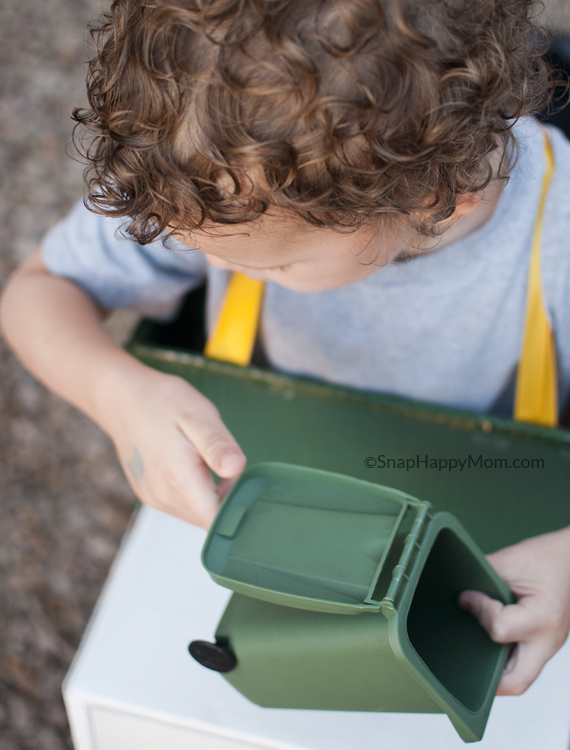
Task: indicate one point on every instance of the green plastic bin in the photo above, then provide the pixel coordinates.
(303, 549)
(278, 417)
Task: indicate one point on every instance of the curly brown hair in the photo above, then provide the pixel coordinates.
(349, 111)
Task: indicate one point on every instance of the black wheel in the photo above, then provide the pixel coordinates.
(216, 656)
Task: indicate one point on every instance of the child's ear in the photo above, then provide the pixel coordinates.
(466, 204)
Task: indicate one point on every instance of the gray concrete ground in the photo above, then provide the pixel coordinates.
(64, 503)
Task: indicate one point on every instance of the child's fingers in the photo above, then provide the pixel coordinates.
(199, 500)
(179, 484)
(505, 623)
(512, 623)
(524, 666)
(214, 442)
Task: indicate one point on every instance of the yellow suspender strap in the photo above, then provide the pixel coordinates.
(536, 397)
(233, 337)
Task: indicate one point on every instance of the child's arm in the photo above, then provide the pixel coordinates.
(538, 572)
(163, 429)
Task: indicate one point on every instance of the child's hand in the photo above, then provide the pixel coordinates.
(165, 433)
(162, 428)
(538, 572)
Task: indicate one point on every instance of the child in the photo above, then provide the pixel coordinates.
(368, 160)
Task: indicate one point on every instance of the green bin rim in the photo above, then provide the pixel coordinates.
(375, 400)
(469, 724)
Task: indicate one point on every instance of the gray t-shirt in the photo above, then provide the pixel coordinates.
(445, 327)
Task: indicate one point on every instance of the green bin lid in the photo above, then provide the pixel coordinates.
(310, 539)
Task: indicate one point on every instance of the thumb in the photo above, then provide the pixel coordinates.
(224, 486)
(491, 614)
(215, 443)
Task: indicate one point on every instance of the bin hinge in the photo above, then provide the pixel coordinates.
(412, 545)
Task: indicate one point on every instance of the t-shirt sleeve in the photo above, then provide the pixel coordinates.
(119, 272)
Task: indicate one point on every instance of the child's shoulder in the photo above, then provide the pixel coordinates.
(530, 178)
(92, 251)
(531, 136)
(554, 227)
(560, 188)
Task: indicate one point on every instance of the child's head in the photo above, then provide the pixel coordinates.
(339, 116)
